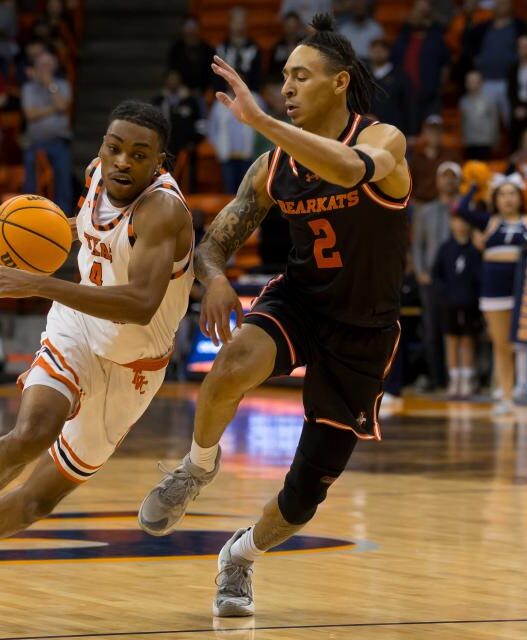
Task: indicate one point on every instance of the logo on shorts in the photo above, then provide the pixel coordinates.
(139, 382)
(361, 420)
(310, 177)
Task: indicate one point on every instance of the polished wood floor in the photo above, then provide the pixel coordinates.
(425, 536)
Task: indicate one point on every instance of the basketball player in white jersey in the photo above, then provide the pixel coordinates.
(108, 339)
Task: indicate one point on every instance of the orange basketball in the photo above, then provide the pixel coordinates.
(34, 234)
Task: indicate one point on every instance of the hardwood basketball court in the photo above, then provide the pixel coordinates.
(424, 537)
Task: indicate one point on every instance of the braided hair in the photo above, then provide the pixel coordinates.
(340, 56)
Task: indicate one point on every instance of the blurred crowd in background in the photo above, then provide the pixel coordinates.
(453, 78)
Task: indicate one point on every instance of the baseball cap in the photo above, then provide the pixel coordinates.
(449, 166)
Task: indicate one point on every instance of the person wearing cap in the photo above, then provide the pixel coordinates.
(505, 233)
(431, 227)
(427, 157)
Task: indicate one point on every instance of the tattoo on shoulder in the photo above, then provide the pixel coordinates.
(236, 221)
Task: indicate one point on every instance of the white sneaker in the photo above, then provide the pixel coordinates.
(166, 504)
(502, 408)
(453, 389)
(497, 394)
(234, 596)
(519, 394)
(467, 386)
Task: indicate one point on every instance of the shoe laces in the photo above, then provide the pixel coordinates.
(176, 483)
(235, 581)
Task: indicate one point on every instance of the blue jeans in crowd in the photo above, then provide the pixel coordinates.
(59, 156)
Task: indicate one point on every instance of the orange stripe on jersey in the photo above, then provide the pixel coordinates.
(272, 171)
(61, 469)
(75, 457)
(162, 185)
(183, 270)
(87, 185)
(109, 225)
(353, 129)
(292, 164)
(388, 204)
(292, 352)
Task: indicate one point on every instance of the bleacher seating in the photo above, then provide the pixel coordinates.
(11, 122)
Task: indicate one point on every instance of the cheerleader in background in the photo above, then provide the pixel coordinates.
(504, 235)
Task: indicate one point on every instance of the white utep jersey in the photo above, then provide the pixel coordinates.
(103, 260)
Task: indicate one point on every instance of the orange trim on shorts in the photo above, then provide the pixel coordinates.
(376, 405)
(62, 360)
(284, 332)
(267, 286)
(148, 364)
(40, 362)
(394, 352)
(61, 469)
(346, 427)
(76, 457)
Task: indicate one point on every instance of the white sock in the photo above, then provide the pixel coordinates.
(454, 373)
(203, 457)
(244, 548)
(467, 373)
(521, 366)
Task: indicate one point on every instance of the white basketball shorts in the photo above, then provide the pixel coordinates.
(106, 398)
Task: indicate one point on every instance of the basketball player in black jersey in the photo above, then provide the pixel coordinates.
(342, 181)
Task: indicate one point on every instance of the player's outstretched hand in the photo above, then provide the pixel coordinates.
(243, 105)
(17, 284)
(219, 301)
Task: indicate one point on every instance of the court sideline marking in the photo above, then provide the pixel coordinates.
(270, 628)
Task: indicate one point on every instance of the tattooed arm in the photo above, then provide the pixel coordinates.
(229, 230)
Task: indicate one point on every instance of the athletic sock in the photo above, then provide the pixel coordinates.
(203, 457)
(244, 549)
(521, 366)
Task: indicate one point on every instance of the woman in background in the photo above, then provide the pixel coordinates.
(504, 235)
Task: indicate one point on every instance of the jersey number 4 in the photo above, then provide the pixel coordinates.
(96, 274)
(326, 240)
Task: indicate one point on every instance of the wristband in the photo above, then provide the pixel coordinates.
(368, 163)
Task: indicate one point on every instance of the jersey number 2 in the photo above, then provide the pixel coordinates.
(96, 274)
(326, 240)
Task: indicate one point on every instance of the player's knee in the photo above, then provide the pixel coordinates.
(34, 433)
(305, 487)
(233, 372)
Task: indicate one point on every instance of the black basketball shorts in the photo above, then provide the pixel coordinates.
(461, 321)
(345, 365)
